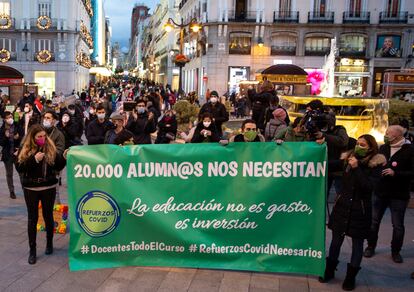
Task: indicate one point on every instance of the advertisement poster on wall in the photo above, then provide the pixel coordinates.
(388, 46)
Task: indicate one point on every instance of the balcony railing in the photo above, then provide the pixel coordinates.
(286, 16)
(243, 16)
(390, 17)
(283, 50)
(352, 52)
(321, 17)
(54, 25)
(356, 17)
(312, 51)
(3, 22)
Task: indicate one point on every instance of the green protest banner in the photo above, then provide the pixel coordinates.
(245, 206)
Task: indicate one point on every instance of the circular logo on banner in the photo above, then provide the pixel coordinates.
(97, 213)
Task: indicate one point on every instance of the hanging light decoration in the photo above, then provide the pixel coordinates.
(4, 55)
(5, 21)
(44, 56)
(44, 22)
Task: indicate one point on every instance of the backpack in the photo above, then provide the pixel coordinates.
(270, 129)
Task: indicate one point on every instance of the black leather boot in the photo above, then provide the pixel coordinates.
(329, 270)
(49, 246)
(349, 282)
(32, 256)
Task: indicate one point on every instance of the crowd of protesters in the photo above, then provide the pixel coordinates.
(368, 178)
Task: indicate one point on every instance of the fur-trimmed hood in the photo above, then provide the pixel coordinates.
(371, 161)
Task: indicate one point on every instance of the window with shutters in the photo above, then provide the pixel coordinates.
(5, 7)
(9, 45)
(44, 45)
(45, 9)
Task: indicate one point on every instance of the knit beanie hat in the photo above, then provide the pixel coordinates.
(279, 114)
(214, 93)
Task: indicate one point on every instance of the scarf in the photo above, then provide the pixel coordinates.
(397, 146)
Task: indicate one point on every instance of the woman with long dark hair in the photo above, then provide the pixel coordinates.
(351, 214)
(38, 163)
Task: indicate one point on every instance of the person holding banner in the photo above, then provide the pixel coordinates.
(142, 123)
(248, 133)
(38, 163)
(351, 214)
(206, 131)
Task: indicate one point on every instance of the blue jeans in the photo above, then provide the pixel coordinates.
(397, 208)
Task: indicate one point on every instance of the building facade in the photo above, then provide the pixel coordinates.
(47, 41)
(139, 21)
(242, 37)
(159, 46)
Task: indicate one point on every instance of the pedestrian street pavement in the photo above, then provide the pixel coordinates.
(51, 273)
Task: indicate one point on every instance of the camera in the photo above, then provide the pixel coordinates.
(315, 121)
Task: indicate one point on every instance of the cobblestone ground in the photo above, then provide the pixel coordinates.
(51, 273)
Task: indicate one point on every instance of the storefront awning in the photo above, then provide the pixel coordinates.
(103, 71)
(352, 74)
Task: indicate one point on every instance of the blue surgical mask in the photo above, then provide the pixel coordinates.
(141, 110)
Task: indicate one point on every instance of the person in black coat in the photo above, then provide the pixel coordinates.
(10, 136)
(217, 110)
(142, 123)
(69, 129)
(260, 102)
(98, 127)
(206, 131)
(167, 128)
(38, 164)
(393, 190)
(27, 98)
(351, 214)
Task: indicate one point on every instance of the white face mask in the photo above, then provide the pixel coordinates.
(213, 99)
(10, 121)
(47, 124)
(206, 124)
(101, 116)
(65, 119)
(26, 110)
(92, 112)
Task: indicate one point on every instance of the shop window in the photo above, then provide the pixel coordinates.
(353, 45)
(283, 45)
(317, 46)
(240, 43)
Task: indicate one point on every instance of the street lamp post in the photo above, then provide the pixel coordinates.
(195, 27)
